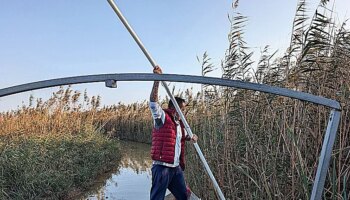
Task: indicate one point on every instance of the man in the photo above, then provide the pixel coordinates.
(168, 147)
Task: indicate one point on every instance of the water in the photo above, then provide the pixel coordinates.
(132, 180)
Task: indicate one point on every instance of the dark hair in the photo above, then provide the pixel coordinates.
(179, 101)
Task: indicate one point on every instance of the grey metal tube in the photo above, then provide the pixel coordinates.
(173, 78)
(153, 63)
(325, 156)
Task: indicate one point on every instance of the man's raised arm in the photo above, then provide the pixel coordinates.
(154, 93)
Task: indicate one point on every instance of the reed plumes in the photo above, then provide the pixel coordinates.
(52, 149)
(129, 122)
(267, 146)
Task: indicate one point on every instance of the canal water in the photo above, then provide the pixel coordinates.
(132, 180)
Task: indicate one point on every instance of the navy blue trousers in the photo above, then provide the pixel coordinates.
(168, 177)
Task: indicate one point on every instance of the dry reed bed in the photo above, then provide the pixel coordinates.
(52, 150)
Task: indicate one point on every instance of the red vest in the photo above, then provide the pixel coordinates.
(164, 140)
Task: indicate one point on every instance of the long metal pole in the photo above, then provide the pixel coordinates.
(153, 63)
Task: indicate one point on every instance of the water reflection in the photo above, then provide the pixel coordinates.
(133, 178)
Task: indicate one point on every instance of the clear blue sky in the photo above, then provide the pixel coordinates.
(43, 39)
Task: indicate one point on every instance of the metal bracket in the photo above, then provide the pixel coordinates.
(111, 83)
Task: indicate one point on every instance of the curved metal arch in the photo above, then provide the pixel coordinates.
(173, 78)
(329, 137)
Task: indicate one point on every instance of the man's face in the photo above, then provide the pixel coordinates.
(182, 106)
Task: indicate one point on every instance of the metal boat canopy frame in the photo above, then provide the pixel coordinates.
(111, 80)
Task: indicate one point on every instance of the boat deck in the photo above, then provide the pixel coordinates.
(171, 197)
